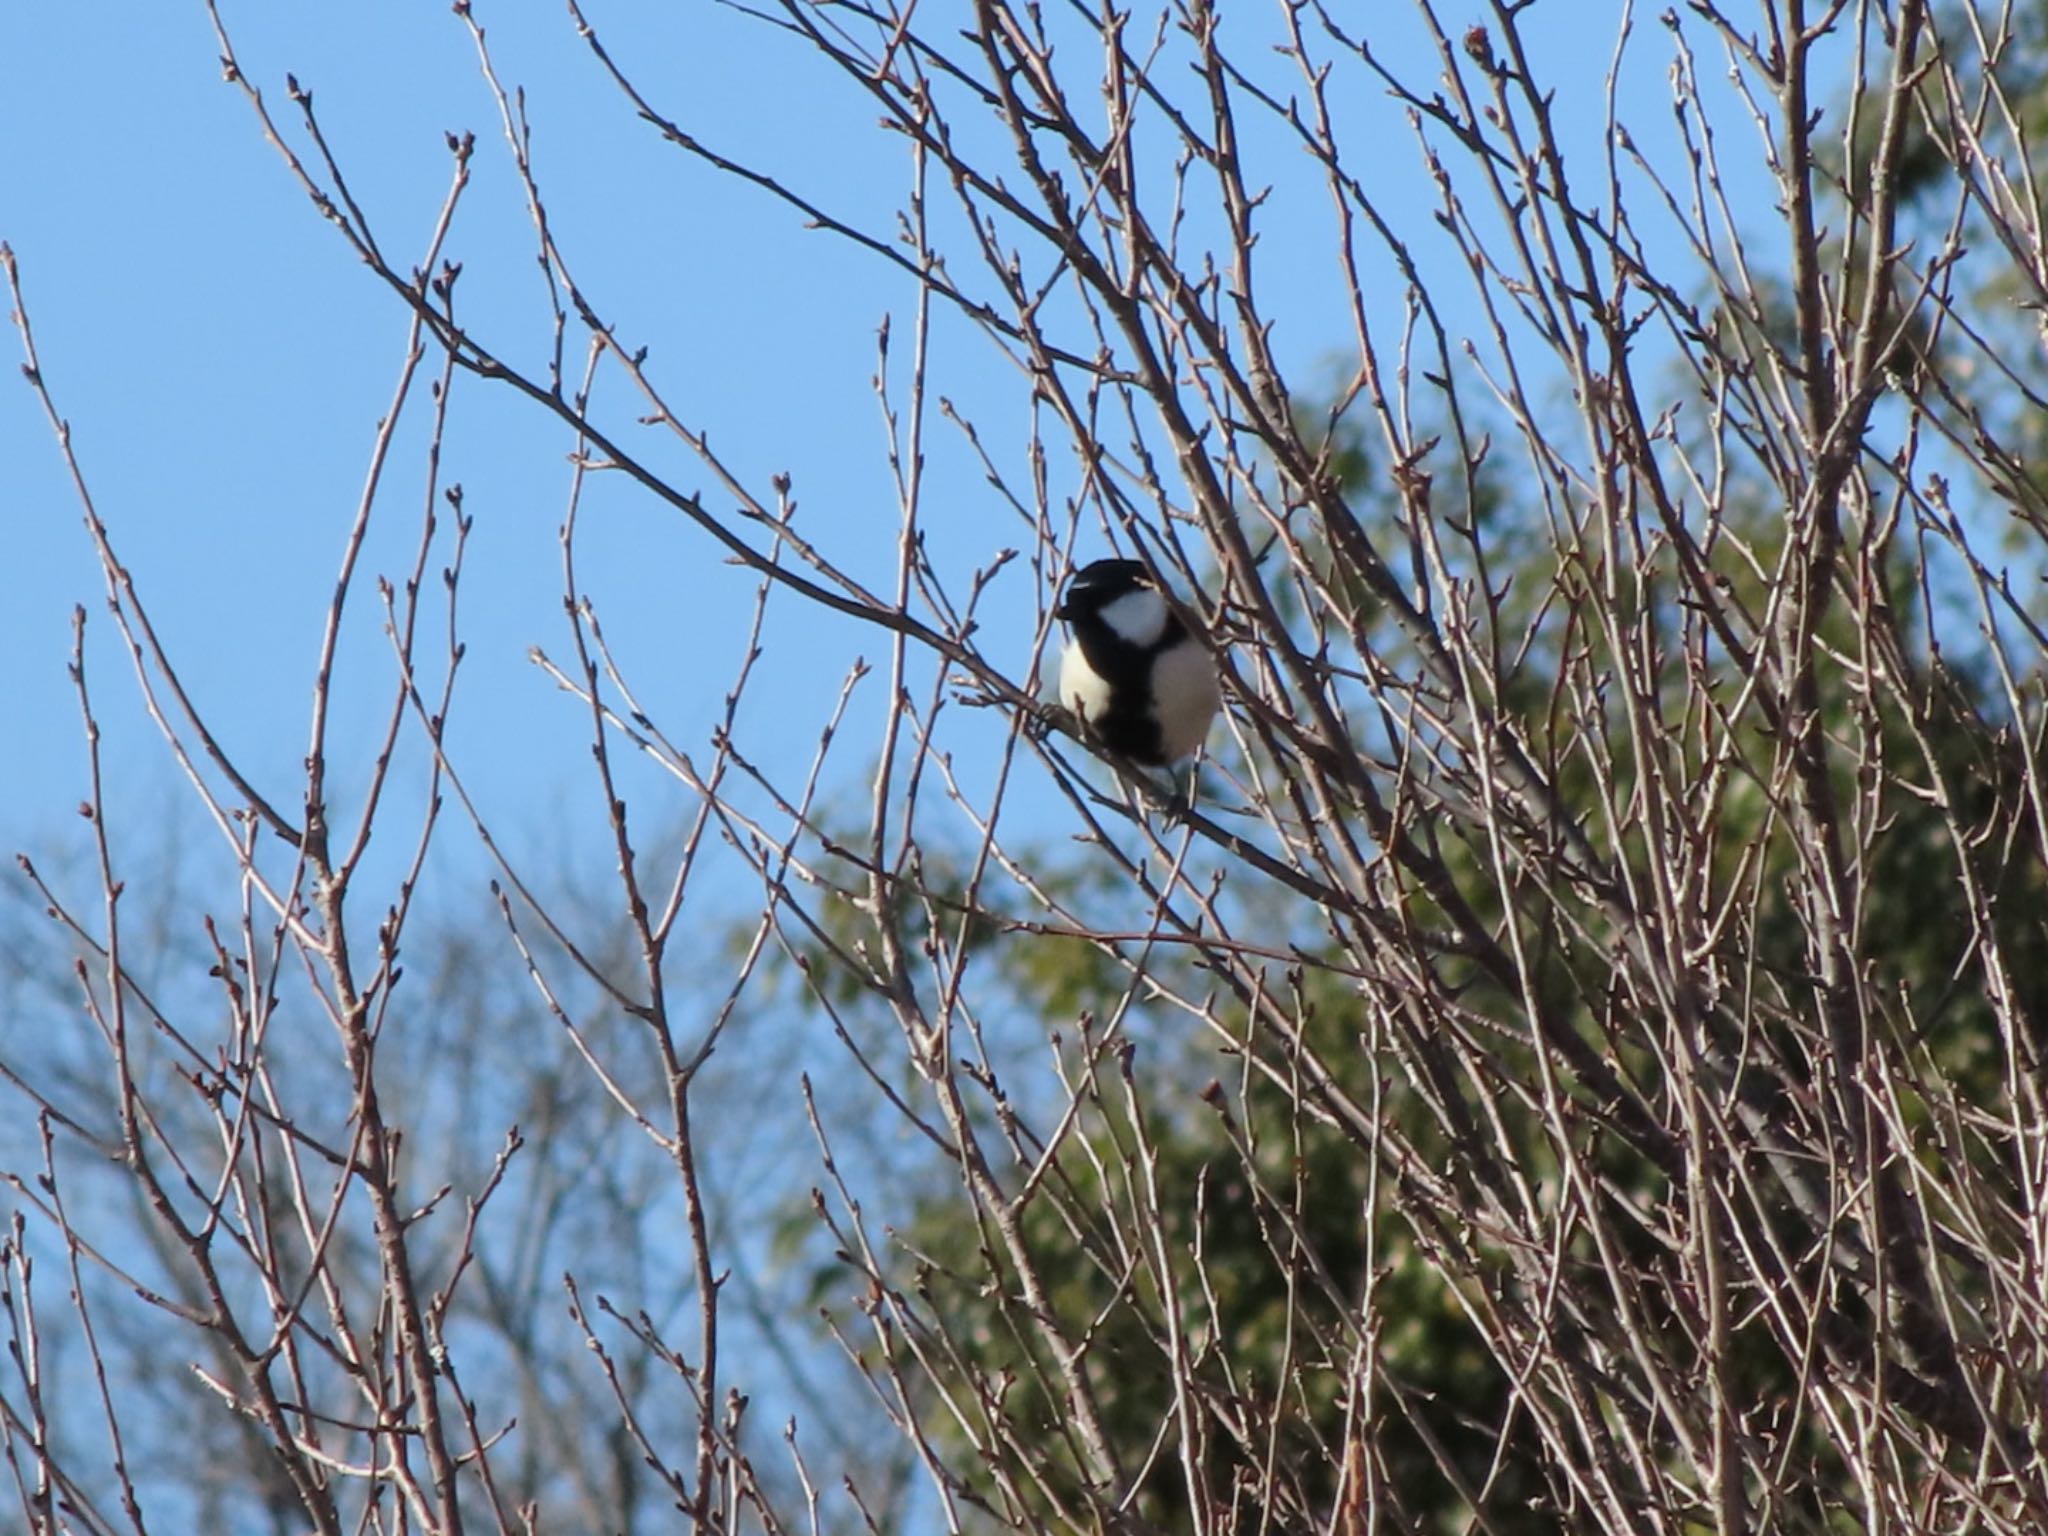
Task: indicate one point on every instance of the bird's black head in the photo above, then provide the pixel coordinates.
(1095, 586)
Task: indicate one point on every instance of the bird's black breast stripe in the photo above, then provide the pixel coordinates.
(1128, 726)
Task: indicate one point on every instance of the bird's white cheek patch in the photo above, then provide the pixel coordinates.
(1139, 617)
(1184, 698)
(1082, 688)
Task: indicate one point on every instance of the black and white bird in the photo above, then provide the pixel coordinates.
(1140, 681)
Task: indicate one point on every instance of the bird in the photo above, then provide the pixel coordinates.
(1140, 681)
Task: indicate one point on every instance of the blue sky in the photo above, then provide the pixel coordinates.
(223, 360)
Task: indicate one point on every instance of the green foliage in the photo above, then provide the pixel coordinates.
(1277, 1235)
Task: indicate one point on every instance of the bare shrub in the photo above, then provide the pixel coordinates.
(1575, 1065)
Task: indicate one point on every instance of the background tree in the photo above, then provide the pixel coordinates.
(1575, 1067)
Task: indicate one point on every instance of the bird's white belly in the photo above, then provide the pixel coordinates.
(1082, 689)
(1185, 698)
